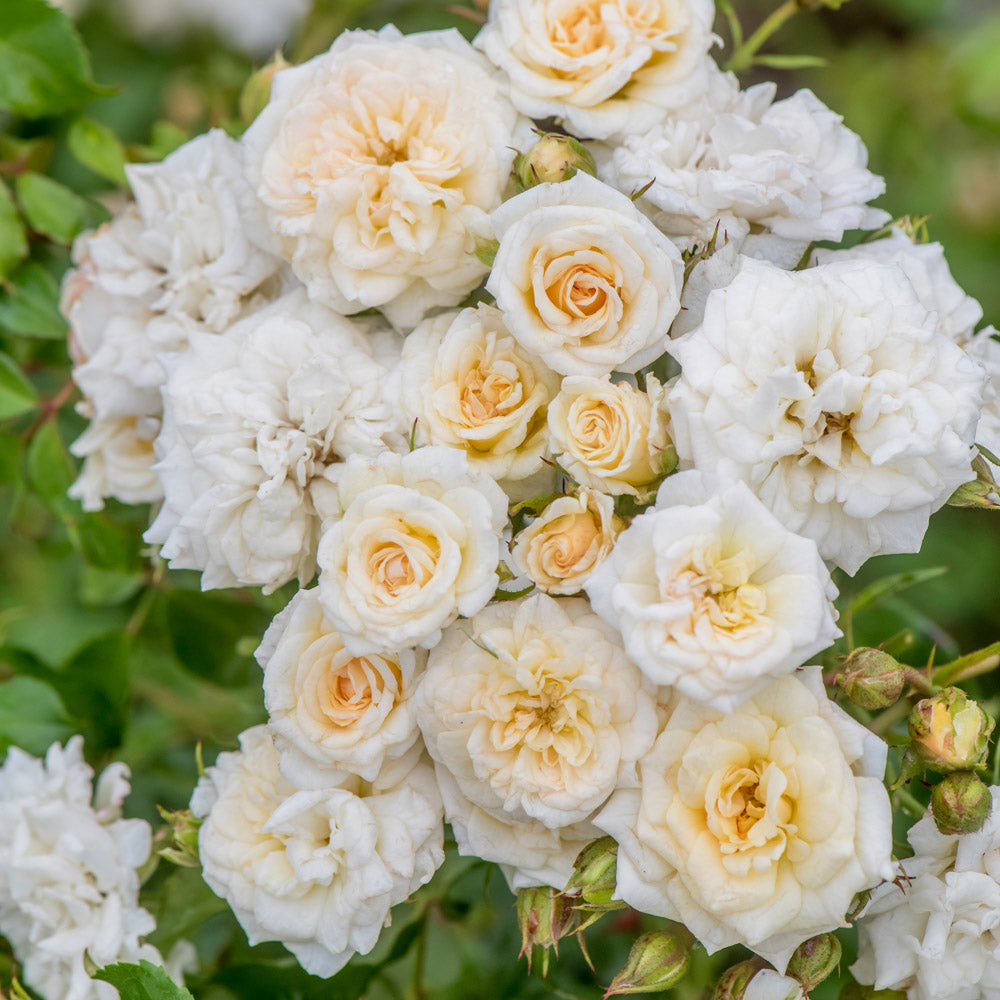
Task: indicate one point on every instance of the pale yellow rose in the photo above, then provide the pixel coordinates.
(469, 385)
(611, 437)
(567, 542)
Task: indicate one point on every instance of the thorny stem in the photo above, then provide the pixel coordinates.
(743, 57)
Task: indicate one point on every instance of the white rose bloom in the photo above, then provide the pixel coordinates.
(468, 384)
(832, 393)
(610, 436)
(734, 159)
(924, 264)
(563, 546)
(68, 883)
(985, 348)
(258, 423)
(583, 279)
(712, 595)
(332, 713)
(935, 930)
(534, 709)
(604, 68)
(757, 827)
(118, 462)
(770, 985)
(373, 161)
(528, 853)
(317, 870)
(418, 545)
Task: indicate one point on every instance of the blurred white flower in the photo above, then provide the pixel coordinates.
(604, 68)
(611, 437)
(770, 985)
(118, 458)
(418, 545)
(736, 159)
(534, 709)
(317, 870)
(258, 423)
(832, 393)
(712, 595)
(333, 713)
(68, 882)
(373, 160)
(756, 827)
(568, 540)
(583, 279)
(468, 384)
(935, 930)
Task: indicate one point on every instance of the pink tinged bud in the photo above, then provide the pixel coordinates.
(949, 731)
(552, 159)
(814, 960)
(871, 679)
(658, 961)
(960, 803)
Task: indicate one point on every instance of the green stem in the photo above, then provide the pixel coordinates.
(743, 57)
(917, 680)
(420, 957)
(909, 803)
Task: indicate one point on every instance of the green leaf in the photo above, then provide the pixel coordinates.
(51, 208)
(44, 67)
(50, 471)
(31, 715)
(17, 394)
(94, 687)
(98, 148)
(105, 588)
(891, 585)
(11, 450)
(31, 307)
(106, 544)
(144, 981)
(13, 241)
(205, 630)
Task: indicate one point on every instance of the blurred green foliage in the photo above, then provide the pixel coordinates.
(96, 639)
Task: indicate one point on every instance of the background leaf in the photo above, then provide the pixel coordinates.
(17, 395)
(13, 241)
(30, 308)
(144, 981)
(31, 715)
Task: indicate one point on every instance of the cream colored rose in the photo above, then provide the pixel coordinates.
(469, 385)
(333, 713)
(561, 548)
(757, 827)
(418, 544)
(373, 160)
(605, 68)
(535, 710)
(583, 279)
(611, 436)
(118, 460)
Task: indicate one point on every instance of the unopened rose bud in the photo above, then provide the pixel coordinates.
(545, 916)
(256, 91)
(871, 679)
(658, 960)
(855, 991)
(552, 159)
(960, 803)
(950, 732)
(814, 960)
(733, 982)
(595, 875)
(180, 838)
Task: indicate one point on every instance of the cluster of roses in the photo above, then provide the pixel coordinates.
(272, 347)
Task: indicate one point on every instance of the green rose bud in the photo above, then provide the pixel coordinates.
(595, 875)
(545, 916)
(552, 159)
(733, 982)
(180, 838)
(960, 803)
(658, 960)
(256, 91)
(814, 960)
(950, 732)
(871, 679)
